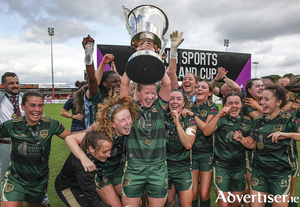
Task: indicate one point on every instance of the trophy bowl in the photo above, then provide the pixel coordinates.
(145, 67)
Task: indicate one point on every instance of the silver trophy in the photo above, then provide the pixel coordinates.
(146, 24)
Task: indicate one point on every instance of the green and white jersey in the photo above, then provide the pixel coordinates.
(26, 163)
(113, 162)
(229, 153)
(203, 144)
(141, 149)
(177, 154)
(273, 159)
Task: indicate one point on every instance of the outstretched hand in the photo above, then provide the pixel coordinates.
(176, 39)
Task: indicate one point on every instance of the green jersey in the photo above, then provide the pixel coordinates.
(177, 154)
(273, 158)
(96, 99)
(146, 143)
(113, 162)
(229, 153)
(247, 109)
(294, 150)
(203, 144)
(26, 163)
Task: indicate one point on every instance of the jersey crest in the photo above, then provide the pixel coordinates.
(44, 133)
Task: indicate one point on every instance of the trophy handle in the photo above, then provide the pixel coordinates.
(163, 47)
(126, 12)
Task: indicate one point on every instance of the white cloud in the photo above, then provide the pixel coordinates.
(267, 29)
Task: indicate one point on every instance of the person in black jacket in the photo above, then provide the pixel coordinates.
(74, 185)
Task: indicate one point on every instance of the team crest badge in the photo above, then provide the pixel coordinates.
(203, 113)
(278, 128)
(9, 187)
(254, 182)
(182, 124)
(245, 127)
(154, 109)
(219, 179)
(105, 179)
(126, 181)
(44, 133)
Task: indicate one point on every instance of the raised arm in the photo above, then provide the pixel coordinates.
(165, 90)
(106, 59)
(125, 88)
(213, 83)
(90, 69)
(176, 40)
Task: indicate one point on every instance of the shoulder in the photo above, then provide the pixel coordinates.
(258, 117)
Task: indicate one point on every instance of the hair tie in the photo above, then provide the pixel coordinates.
(111, 111)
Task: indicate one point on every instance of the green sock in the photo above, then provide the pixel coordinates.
(195, 203)
(205, 203)
(268, 204)
(292, 204)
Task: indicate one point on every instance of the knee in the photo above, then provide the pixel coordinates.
(170, 203)
(204, 195)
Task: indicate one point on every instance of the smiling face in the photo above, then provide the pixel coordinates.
(257, 89)
(104, 151)
(33, 108)
(11, 85)
(113, 82)
(235, 104)
(269, 103)
(122, 122)
(176, 102)
(202, 92)
(189, 84)
(147, 95)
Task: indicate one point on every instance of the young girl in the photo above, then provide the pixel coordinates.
(229, 166)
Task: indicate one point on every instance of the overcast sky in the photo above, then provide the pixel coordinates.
(268, 30)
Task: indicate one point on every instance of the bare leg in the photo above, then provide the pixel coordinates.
(258, 201)
(108, 195)
(134, 202)
(171, 197)
(11, 204)
(186, 198)
(157, 202)
(205, 182)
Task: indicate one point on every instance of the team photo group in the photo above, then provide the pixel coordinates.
(163, 143)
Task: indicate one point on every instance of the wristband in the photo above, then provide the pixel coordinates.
(216, 80)
(194, 115)
(173, 54)
(224, 77)
(72, 116)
